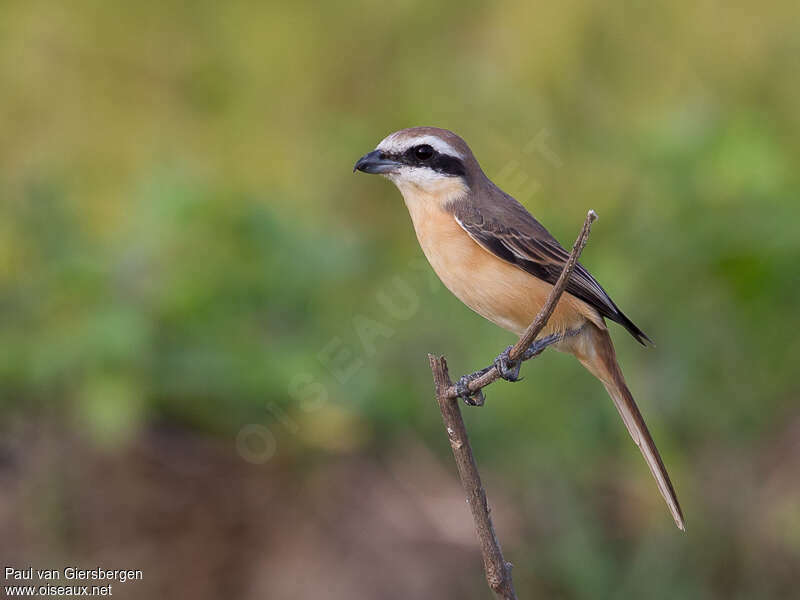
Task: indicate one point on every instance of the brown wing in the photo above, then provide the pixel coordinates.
(514, 235)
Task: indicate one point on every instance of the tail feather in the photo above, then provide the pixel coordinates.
(641, 435)
(599, 357)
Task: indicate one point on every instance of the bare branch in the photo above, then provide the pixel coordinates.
(498, 571)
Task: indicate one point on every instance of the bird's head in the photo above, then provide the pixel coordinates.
(423, 161)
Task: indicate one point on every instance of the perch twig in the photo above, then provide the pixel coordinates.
(498, 571)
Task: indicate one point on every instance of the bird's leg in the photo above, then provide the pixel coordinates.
(509, 370)
(540, 345)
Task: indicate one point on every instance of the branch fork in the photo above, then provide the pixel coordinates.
(470, 387)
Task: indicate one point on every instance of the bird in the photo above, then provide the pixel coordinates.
(495, 257)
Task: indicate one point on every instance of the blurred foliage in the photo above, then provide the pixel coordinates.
(182, 241)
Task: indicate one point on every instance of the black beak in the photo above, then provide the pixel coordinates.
(375, 162)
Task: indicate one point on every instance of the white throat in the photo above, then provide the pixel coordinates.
(424, 190)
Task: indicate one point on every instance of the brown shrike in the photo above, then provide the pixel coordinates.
(502, 263)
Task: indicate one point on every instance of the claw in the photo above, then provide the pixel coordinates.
(508, 369)
(478, 399)
(469, 398)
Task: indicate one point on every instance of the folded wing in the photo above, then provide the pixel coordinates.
(524, 242)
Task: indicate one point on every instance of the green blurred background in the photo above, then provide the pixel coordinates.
(214, 335)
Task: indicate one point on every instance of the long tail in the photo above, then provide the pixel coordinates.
(593, 348)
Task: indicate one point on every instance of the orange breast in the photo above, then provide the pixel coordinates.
(502, 293)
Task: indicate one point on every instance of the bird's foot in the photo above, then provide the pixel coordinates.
(508, 369)
(463, 391)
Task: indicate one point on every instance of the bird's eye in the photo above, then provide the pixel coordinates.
(423, 152)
